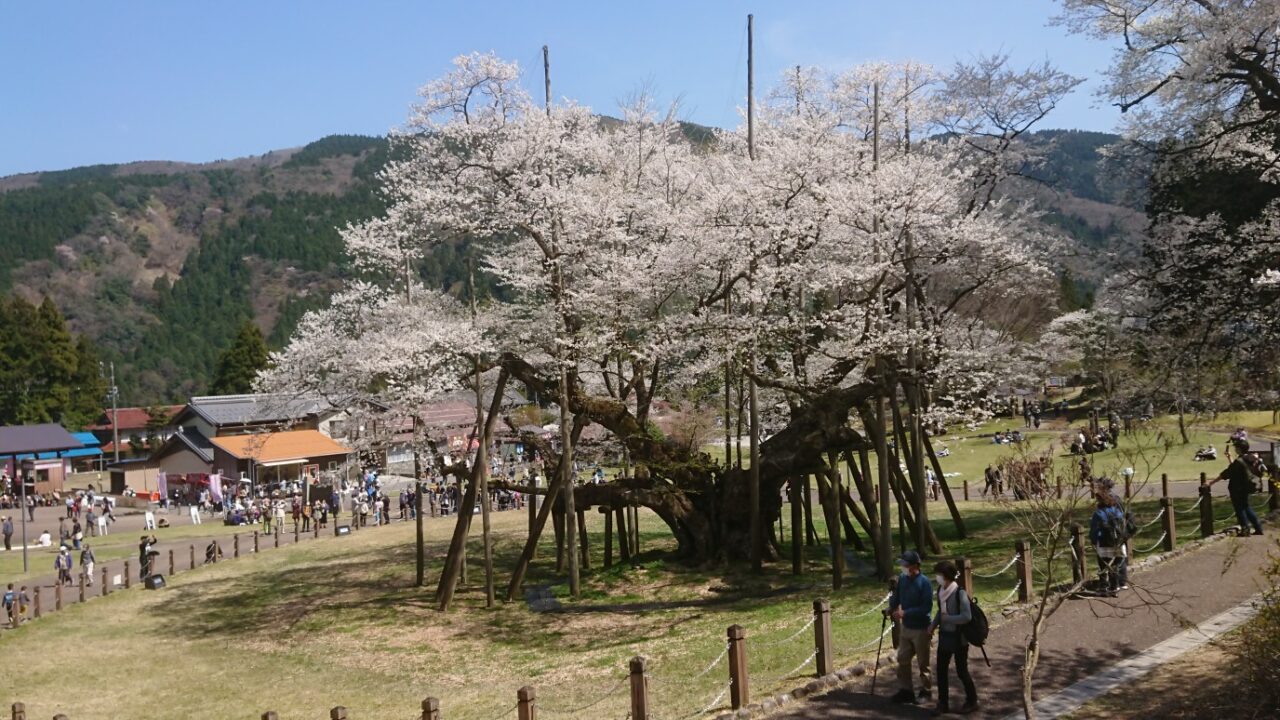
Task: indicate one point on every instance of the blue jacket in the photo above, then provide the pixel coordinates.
(1099, 519)
(915, 597)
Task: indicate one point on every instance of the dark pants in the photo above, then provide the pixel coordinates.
(8, 542)
(1244, 513)
(951, 645)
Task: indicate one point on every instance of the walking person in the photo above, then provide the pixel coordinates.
(912, 605)
(954, 611)
(87, 561)
(62, 563)
(1106, 532)
(7, 530)
(1239, 476)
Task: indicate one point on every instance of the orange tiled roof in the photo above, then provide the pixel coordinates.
(277, 446)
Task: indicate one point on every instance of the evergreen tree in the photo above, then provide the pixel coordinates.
(239, 364)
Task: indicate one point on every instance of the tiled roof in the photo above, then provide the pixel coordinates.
(192, 439)
(131, 418)
(277, 446)
(261, 408)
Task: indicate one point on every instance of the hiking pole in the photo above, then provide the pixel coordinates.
(884, 620)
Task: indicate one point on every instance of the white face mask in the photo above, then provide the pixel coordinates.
(942, 582)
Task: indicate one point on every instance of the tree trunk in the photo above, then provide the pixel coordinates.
(961, 533)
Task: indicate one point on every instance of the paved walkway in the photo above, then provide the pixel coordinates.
(1085, 637)
(1126, 671)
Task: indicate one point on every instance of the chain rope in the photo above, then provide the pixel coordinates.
(599, 699)
(790, 637)
(1012, 592)
(1153, 547)
(1001, 571)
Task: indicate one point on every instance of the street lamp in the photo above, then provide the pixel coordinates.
(28, 466)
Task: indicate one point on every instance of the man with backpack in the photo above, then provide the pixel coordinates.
(912, 605)
(955, 614)
(1107, 532)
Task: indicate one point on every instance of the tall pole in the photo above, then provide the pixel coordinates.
(115, 414)
(566, 441)
(921, 511)
(884, 542)
(482, 455)
(417, 501)
(26, 475)
(757, 532)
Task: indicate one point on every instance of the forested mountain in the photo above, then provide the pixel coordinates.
(161, 264)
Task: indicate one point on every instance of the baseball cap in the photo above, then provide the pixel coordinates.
(910, 557)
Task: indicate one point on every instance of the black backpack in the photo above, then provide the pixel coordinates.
(976, 630)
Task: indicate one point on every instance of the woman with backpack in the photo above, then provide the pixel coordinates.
(954, 611)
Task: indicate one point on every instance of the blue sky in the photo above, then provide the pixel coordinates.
(97, 82)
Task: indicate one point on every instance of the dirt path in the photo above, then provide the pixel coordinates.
(1085, 636)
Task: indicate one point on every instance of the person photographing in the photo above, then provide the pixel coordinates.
(1239, 476)
(954, 611)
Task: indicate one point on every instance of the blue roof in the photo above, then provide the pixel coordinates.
(90, 449)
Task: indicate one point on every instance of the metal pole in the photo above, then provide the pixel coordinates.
(26, 475)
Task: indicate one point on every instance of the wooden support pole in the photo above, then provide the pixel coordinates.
(964, 569)
(797, 529)
(1164, 485)
(57, 595)
(624, 537)
(315, 524)
(295, 532)
(172, 570)
(822, 637)
(585, 559)
(128, 576)
(235, 545)
(338, 713)
(1170, 526)
(82, 584)
(277, 535)
(1058, 487)
(106, 586)
(740, 685)
(1206, 510)
(192, 550)
(431, 709)
(526, 704)
(966, 491)
(19, 711)
(608, 536)
(806, 504)
(639, 690)
(1023, 548)
(1128, 487)
(1077, 554)
(270, 715)
(36, 599)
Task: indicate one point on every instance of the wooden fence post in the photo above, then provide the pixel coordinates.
(270, 715)
(526, 698)
(338, 713)
(1206, 510)
(639, 690)
(295, 533)
(740, 686)
(966, 491)
(1077, 554)
(81, 587)
(172, 569)
(37, 601)
(1024, 570)
(255, 542)
(19, 711)
(235, 545)
(1170, 526)
(1164, 484)
(964, 572)
(106, 585)
(57, 595)
(193, 557)
(128, 576)
(277, 535)
(59, 716)
(822, 637)
(1058, 487)
(1128, 487)
(431, 709)
(315, 535)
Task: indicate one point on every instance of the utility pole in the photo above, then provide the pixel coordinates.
(757, 532)
(113, 393)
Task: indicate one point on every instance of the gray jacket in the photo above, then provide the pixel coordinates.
(956, 613)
